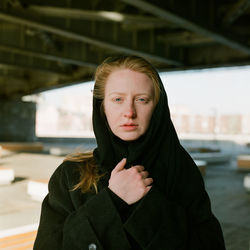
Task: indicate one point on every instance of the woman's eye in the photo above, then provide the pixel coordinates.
(117, 99)
(142, 100)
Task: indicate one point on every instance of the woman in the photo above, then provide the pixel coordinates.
(139, 189)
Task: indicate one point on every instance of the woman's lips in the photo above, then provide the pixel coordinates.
(129, 127)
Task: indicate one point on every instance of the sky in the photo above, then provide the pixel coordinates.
(220, 91)
(225, 90)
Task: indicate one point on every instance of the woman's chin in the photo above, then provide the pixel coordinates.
(129, 136)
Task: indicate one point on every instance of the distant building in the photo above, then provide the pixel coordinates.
(245, 124)
(187, 122)
(230, 124)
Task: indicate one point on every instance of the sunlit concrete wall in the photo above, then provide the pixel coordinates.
(17, 121)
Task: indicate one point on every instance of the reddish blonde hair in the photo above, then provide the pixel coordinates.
(134, 63)
(89, 176)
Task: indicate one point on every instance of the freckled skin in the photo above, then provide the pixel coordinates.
(128, 103)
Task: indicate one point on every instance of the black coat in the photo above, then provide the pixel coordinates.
(71, 220)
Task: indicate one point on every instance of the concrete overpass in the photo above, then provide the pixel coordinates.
(50, 44)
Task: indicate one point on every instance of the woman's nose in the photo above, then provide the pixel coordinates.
(130, 111)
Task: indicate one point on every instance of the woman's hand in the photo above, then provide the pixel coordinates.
(129, 184)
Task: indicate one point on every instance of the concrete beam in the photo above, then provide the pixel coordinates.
(235, 11)
(46, 56)
(130, 22)
(185, 38)
(185, 23)
(94, 15)
(86, 39)
(28, 67)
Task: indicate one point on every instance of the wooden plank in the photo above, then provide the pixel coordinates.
(19, 241)
(28, 247)
(243, 162)
(17, 236)
(21, 146)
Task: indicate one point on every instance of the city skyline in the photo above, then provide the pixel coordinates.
(72, 120)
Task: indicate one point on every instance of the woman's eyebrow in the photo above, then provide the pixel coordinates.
(116, 93)
(147, 94)
(121, 93)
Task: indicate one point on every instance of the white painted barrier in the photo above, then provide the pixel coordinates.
(7, 175)
(37, 189)
(246, 182)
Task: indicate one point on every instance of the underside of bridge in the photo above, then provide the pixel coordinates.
(47, 44)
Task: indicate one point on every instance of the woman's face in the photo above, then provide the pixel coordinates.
(128, 103)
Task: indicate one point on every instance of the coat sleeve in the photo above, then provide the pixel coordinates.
(158, 222)
(66, 225)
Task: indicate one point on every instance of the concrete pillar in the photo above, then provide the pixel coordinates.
(17, 121)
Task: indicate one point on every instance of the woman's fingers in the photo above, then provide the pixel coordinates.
(148, 188)
(148, 181)
(144, 174)
(120, 166)
(139, 168)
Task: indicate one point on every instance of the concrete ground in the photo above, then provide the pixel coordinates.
(16, 207)
(230, 204)
(18, 213)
